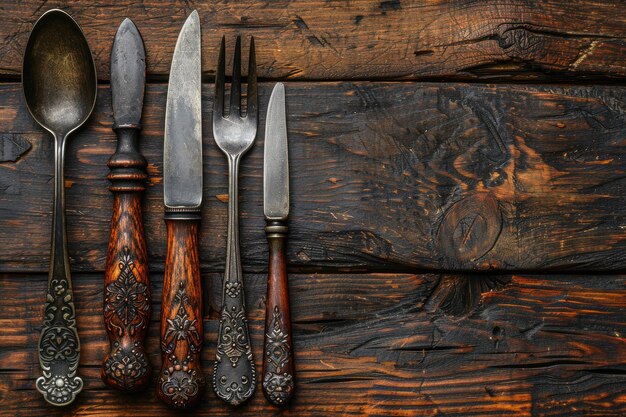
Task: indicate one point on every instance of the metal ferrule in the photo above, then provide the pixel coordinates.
(116, 126)
(182, 213)
(276, 228)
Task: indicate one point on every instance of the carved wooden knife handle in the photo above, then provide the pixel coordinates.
(182, 382)
(126, 281)
(278, 369)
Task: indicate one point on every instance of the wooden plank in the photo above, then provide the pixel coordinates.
(373, 345)
(322, 40)
(385, 176)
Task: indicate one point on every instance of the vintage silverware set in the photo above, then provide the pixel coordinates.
(60, 84)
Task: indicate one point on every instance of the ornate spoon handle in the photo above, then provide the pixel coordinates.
(278, 369)
(59, 347)
(234, 378)
(126, 280)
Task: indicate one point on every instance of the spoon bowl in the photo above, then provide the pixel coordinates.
(59, 74)
(60, 86)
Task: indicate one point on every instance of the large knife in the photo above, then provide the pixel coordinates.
(126, 279)
(278, 369)
(182, 383)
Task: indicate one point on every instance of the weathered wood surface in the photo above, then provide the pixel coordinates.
(372, 345)
(316, 39)
(385, 176)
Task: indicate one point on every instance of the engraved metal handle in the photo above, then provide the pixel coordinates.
(59, 347)
(234, 375)
(126, 279)
(278, 369)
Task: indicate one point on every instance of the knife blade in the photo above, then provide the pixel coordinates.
(182, 155)
(276, 160)
(181, 383)
(278, 366)
(126, 268)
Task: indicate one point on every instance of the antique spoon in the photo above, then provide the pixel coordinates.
(60, 85)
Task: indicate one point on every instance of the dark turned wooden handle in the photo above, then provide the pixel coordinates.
(126, 280)
(278, 368)
(181, 383)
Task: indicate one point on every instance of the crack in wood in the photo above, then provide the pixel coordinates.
(13, 146)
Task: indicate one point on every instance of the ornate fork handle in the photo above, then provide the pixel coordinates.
(234, 375)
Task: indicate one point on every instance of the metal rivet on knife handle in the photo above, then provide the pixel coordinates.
(126, 280)
(60, 98)
(278, 366)
(181, 382)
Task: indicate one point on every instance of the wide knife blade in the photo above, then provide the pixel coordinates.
(128, 74)
(276, 159)
(182, 154)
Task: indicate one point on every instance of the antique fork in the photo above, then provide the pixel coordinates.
(234, 373)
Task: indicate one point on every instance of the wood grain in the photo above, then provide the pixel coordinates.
(181, 382)
(126, 307)
(385, 176)
(371, 345)
(504, 190)
(278, 377)
(400, 39)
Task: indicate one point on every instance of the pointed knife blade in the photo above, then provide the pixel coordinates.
(128, 74)
(182, 154)
(276, 159)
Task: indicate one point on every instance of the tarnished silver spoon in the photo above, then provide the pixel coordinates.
(60, 86)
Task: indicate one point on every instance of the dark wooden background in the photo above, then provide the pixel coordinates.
(458, 231)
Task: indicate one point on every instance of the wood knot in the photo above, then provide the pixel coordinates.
(460, 295)
(521, 42)
(469, 229)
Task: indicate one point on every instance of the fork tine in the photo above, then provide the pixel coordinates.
(252, 97)
(218, 102)
(235, 88)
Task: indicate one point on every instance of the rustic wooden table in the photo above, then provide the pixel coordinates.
(456, 238)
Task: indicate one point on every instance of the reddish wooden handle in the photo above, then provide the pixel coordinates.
(182, 382)
(278, 368)
(126, 281)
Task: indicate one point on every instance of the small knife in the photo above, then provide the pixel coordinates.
(181, 382)
(278, 368)
(126, 280)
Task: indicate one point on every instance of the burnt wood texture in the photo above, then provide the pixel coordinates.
(455, 249)
(390, 176)
(126, 280)
(373, 345)
(322, 40)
